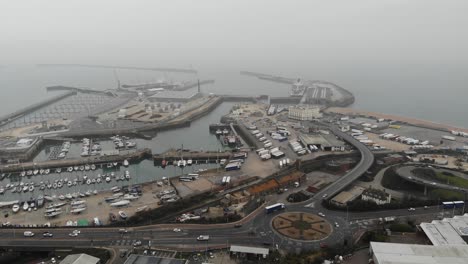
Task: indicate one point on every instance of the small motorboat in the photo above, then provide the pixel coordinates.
(61, 197)
(98, 180)
(35, 172)
(15, 208)
(76, 168)
(70, 169)
(31, 188)
(120, 203)
(77, 202)
(86, 167)
(53, 214)
(88, 193)
(25, 206)
(68, 196)
(78, 210)
(69, 184)
(108, 179)
(189, 162)
(93, 167)
(88, 182)
(82, 168)
(139, 209)
(93, 181)
(82, 195)
(125, 163)
(122, 214)
(46, 171)
(122, 177)
(54, 185)
(25, 188)
(95, 192)
(41, 171)
(115, 164)
(58, 170)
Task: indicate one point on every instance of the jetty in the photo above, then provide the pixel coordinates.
(103, 159)
(174, 155)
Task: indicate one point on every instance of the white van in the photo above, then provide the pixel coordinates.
(28, 234)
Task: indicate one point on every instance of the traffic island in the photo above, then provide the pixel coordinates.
(302, 226)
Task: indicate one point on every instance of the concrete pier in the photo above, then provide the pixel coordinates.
(174, 155)
(131, 157)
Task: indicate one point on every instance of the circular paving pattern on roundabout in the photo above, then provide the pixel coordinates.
(302, 226)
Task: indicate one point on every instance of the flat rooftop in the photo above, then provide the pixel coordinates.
(143, 259)
(249, 250)
(442, 233)
(187, 94)
(395, 253)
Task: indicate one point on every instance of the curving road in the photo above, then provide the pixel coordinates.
(406, 172)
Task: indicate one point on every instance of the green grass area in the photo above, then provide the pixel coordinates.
(451, 179)
(401, 227)
(446, 194)
(443, 177)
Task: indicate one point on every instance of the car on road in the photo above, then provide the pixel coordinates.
(203, 238)
(238, 225)
(28, 234)
(337, 225)
(321, 214)
(323, 245)
(137, 243)
(176, 230)
(47, 234)
(123, 231)
(324, 196)
(426, 207)
(411, 209)
(76, 231)
(73, 234)
(433, 183)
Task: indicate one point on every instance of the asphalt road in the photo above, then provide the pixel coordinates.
(256, 230)
(406, 173)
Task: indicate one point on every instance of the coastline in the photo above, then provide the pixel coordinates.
(403, 119)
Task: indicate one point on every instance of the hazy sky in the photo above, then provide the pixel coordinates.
(216, 33)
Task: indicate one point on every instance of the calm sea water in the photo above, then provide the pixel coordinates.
(438, 93)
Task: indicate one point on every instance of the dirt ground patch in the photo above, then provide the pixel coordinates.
(302, 226)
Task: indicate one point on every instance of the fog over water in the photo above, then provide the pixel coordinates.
(401, 57)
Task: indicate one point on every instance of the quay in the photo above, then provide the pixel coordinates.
(15, 115)
(174, 155)
(131, 157)
(192, 84)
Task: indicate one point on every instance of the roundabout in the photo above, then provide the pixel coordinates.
(302, 226)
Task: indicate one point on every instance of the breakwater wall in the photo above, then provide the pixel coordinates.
(17, 114)
(80, 90)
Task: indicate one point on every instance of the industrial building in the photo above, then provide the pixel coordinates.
(80, 259)
(323, 142)
(344, 197)
(448, 231)
(377, 196)
(395, 253)
(249, 252)
(143, 259)
(304, 113)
